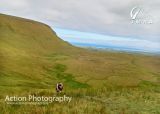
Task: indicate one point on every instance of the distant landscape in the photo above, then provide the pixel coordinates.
(109, 42)
(33, 59)
(113, 48)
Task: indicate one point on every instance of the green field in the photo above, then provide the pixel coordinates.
(33, 59)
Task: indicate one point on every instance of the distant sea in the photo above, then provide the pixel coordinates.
(112, 48)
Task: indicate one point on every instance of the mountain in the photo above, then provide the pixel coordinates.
(33, 59)
(23, 46)
(22, 36)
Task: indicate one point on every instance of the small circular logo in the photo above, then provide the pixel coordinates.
(134, 12)
(140, 15)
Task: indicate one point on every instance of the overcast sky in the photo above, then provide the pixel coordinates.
(105, 17)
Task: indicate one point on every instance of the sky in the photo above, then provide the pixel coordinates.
(127, 23)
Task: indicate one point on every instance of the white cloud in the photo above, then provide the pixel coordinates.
(105, 40)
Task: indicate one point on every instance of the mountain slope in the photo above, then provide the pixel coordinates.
(25, 47)
(31, 49)
(33, 59)
(27, 36)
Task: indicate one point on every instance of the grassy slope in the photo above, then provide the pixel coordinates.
(33, 59)
(24, 46)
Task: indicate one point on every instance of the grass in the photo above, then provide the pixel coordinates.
(68, 79)
(97, 101)
(33, 59)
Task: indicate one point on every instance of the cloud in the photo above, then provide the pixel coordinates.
(92, 39)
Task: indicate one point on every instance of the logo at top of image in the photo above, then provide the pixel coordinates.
(140, 15)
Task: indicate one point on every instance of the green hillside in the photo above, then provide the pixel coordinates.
(25, 46)
(33, 59)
